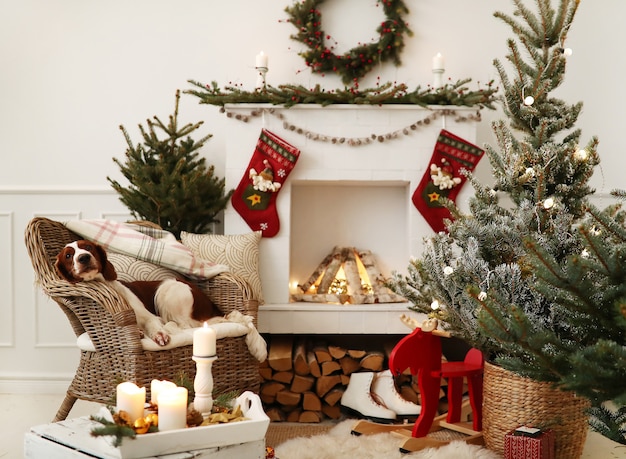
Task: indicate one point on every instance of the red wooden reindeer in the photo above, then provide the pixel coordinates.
(420, 351)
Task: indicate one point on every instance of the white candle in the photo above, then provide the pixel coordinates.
(131, 399)
(204, 341)
(438, 62)
(156, 387)
(261, 59)
(172, 409)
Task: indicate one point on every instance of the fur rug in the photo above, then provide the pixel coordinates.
(339, 443)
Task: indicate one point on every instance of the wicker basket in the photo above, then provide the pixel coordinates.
(511, 400)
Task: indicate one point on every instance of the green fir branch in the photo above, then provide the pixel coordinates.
(288, 95)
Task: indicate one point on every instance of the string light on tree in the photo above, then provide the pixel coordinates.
(548, 203)
(581, 154)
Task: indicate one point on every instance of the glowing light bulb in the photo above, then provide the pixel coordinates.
(529, 100)
(548, 203)
(581, 154)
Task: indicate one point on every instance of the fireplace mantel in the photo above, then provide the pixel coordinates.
(385, 172)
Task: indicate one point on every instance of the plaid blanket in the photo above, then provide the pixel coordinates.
(148, 244)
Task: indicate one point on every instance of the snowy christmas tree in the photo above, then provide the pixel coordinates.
(533, 275)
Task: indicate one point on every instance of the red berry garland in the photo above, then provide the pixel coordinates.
(358, 61)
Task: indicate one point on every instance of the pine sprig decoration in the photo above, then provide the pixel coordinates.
(170, 183)
(288, 95)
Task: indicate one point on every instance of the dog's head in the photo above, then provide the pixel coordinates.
(84, 261)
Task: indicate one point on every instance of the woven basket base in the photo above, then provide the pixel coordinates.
(511, 400)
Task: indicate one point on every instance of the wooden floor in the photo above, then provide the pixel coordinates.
(19, 412)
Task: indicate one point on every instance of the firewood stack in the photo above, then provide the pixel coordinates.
(303, 381)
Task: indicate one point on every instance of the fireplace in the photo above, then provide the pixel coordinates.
(340, 195)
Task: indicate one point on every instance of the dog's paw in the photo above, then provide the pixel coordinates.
(161, 338)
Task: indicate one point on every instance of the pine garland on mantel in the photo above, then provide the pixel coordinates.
(288, 95)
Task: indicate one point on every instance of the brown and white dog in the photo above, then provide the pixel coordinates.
(154, 302)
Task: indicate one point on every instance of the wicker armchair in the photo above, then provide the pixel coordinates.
(96, 309)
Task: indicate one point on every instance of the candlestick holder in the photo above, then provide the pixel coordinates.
(438, 78)
(260, 80)
(203, 385)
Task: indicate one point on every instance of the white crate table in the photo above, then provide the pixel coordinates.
(71, 439)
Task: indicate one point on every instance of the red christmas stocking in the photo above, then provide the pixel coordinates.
(443, 177)
(255, 196)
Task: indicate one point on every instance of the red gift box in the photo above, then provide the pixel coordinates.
(528, 443)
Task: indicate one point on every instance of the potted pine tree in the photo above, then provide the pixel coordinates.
(478, 277)
(170, 184)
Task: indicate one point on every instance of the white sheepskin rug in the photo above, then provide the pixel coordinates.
(339, 443)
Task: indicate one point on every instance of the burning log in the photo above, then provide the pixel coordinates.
(362, 282)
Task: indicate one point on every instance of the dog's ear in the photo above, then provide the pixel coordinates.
(108, 270)
(61, 268)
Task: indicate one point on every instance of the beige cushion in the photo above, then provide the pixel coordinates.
(131, 269)
(240, 252)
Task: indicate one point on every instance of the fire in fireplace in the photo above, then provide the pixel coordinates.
(346, 275)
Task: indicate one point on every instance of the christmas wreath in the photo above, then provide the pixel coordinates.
(358, 61)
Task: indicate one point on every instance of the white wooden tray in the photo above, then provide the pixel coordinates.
(76, 433)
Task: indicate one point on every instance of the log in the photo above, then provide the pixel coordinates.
(409, 394)
(334, 395)
(337, 352)
(288, 398)
(333, 412)
(353, 279)
(272, 387)
(267, 399)
(330, 367)
(302, 384)
(311, 402)
(373, 361)
(280, 353)
(349, 365)
(314, 367)
(317, 273)
(266, 373)
(275, 414)
(326, 383)
(331, 270)
(300, 364)
(294, 415)
(321, 298)
(375, 277)
(283, 376)
(322, 355)
(356, 353)
(310, 417)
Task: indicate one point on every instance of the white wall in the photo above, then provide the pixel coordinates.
(72, 71)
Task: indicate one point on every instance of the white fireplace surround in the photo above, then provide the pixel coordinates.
(344, 195)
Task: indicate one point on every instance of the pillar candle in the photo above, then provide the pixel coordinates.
(131, 399)
(156, 387)
(438, 62)
(204, 341)
(261, 59)
(172, 409)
